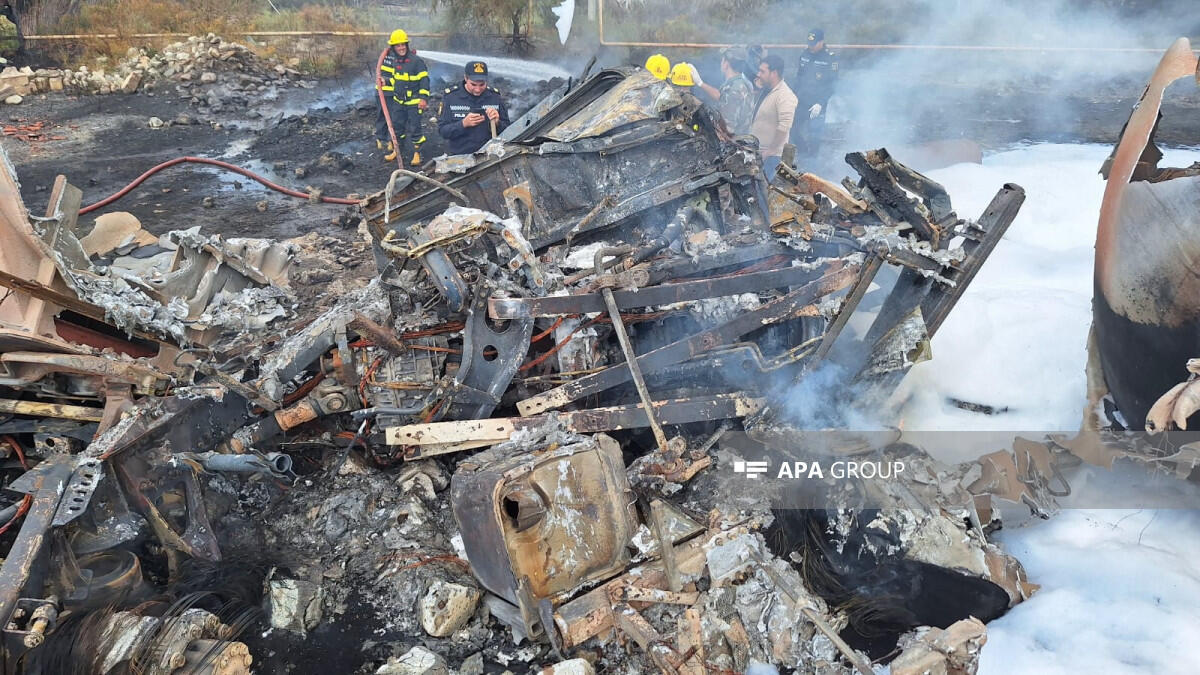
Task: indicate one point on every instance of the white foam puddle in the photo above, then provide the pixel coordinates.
(1120, 588)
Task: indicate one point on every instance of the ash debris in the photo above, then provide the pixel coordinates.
(517, 446)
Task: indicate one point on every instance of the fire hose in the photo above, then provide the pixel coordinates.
(383, 104)
(211, 162)
(253, 176)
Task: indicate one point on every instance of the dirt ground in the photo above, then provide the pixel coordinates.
(323, 138)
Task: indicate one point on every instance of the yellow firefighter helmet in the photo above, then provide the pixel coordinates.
(681, 75)
(659, 66)
(398, 37)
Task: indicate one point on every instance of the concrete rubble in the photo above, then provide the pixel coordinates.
(529, 443)
(213, 73)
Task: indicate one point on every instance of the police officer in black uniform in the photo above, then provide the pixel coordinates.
(472, 112)
(814, 85)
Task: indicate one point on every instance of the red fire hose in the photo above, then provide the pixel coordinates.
(255, 177)
(212, 162)
(383, 104)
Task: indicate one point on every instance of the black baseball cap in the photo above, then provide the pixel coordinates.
(815, 35)
(476, 70)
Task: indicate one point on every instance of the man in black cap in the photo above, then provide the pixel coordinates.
(814, 85)
(472, 112)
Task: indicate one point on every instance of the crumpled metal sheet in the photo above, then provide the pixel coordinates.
(633, 100)
(547, 520)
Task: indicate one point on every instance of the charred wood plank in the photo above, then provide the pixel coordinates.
(865, 277)
(989, 229)
(891, 203)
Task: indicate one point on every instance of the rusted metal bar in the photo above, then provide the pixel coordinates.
(665, 294)
(383, 337)
(58, 410)
(607, 202)
(627, 348)
(637, 627)
(681, 350)
(46, 486)
(497, 430)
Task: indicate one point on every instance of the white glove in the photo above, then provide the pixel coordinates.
(696, 76)
(814, 111)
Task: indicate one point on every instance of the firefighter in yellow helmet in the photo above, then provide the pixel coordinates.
(659, 66)
(404, 80)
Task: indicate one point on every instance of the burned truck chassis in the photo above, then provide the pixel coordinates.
(474, 314)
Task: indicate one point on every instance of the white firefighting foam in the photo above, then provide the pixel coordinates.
(1120, 587)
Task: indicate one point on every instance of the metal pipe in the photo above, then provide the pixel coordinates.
(260, 33)
(630, 356)
(367, 413)
(275, 463)
(427, 179)
(18, 566)
(9, 512)
(670, 233)
(60, 410)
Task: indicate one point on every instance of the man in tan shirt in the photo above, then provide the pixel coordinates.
(773, 120)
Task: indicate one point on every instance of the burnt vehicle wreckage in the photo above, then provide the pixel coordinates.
(575, 322)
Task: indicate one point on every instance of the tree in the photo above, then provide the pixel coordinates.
(30, 16)
(509, 17)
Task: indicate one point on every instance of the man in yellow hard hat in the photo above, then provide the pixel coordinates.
(404, 80)
(659, 66)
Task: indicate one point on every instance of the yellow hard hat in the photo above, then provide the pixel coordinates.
(398, 37)
(681, 75)
(659, 66)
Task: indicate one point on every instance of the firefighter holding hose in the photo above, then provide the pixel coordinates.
(402, 84)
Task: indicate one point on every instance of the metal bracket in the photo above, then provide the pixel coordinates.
(490, 358)
(78, 493)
